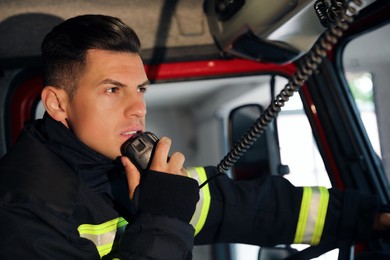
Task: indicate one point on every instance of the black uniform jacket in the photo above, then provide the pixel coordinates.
(61, 200)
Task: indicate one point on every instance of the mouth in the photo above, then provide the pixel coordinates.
(129, 134)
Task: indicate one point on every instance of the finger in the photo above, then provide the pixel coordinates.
(133, 175)
(184, 172)
(160, 156)
(176, 163)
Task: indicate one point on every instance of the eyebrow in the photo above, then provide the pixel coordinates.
(145, 83)
(119, 84)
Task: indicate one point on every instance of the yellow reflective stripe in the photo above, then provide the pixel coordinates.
(320, 223)
(303, 214)
(104, 249)
(102, 235)
(203, 206)
(312, 215)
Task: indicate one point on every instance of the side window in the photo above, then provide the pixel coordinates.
(299, 152)
(366, 61)
(298, 148)
(300, 161)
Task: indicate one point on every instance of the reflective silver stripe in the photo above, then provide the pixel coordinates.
(320, 222)
(103, 235)
(312, 215)
(202, 207)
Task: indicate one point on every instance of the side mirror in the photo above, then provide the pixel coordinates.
(263, 158)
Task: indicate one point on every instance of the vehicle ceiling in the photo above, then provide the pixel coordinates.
(179, 28)
(170, 30)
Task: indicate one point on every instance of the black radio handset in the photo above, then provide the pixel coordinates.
(139, 149)
(309, 63)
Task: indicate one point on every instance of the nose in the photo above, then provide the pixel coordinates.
(135, 107)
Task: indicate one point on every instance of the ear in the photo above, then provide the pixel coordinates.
(55, 101)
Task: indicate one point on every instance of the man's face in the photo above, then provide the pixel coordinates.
(108, 106)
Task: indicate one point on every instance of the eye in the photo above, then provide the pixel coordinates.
(112, 90)
(142, 89)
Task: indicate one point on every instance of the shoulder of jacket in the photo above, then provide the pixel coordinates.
(31, 169)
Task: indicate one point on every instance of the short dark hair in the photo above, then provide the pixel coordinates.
(64, 49)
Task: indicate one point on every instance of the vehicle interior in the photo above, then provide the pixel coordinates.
(301, 86)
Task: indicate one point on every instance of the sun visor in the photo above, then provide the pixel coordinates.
(244, 27)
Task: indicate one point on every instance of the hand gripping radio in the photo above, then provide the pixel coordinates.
(139, 149)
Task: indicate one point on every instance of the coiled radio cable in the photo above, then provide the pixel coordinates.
(307, 66)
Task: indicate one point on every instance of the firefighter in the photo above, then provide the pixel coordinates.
(66, 193)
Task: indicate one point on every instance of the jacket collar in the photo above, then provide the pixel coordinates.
(93, 168)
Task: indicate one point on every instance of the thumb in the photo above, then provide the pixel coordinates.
(133, 175)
